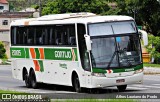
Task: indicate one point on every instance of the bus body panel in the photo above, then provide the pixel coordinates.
(53, 74)
(56, 68)
(105, 82)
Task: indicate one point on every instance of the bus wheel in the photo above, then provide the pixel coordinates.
(27, 81)
(122, 88)
(76, 84)
(33, 79)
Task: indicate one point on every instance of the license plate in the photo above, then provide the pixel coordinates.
(120, 81)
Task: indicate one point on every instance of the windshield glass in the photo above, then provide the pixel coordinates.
(112, 52)
(114, 44)
(98, 29)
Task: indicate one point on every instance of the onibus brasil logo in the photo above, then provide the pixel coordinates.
(21, 97)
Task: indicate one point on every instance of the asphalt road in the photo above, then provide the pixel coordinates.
(151, 84)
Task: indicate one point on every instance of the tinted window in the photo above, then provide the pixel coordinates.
(84, 55)
(44, 35)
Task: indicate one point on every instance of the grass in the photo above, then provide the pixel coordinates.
(4, 62)
(96, 100)
(77, 100)
(22, 93)
(151, 65)
(9, 91)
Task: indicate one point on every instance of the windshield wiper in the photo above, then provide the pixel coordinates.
(126, 56)
(114, 54)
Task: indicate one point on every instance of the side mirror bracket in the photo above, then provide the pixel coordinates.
(144, 36)
(88, 42)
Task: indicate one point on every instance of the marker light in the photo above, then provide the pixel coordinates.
(98, 74)
(138, 71)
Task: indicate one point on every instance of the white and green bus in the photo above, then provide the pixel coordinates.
(82, 50)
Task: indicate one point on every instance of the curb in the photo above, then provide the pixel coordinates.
(151, 71)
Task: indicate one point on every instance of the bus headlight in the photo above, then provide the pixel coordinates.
(138, 71)
(98, 74)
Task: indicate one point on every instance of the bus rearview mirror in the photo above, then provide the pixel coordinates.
(144, 37)
(88, 42)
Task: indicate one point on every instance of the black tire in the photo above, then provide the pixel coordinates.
(76, 84)
(33, 80)
(94, 91)
(122, 88)
(27, 80)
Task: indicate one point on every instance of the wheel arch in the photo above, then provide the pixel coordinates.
(31, 69)
(73, 75)
(24, 71)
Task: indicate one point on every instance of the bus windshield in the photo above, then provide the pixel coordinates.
(116, 50)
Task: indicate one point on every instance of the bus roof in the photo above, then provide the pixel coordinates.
(69, 18)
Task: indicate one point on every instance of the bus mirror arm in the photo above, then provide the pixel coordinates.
(88, 42)
(144, 37)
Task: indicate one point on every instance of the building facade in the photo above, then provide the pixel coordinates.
(4, 6)
(5, 19)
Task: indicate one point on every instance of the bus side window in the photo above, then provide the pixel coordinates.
(30, 41)
(52, 39)
(13, 35)
(42, 37)
(21, 36)
(24, 37)
(70, 36)
(72, 40)
(31, 36)
(58, 41)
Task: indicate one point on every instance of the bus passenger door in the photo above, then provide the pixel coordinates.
(86, 65)
(88, 78)
(84, 54)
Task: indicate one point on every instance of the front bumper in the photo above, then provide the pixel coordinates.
(100, 82)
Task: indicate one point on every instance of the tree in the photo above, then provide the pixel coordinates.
(2, 51)
(146, 12)
(68, 6)
(154, 47)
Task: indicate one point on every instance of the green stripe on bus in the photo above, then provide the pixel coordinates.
(27, 52)
(41, 65)
(17, 52)
(128, 69)
(37, 53)
(49, 53)
(75, 51)
(58, 54)
(98, 70)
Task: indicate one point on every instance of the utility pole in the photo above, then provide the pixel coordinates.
(40, 8)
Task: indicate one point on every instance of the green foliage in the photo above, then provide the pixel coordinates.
(154, 47)
(146, 13)
(68, 6)
(151, 65)
(35, 6)
(149, 13)
(97, 100)
(2, 51)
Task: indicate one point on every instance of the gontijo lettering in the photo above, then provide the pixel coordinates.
(127, 70)
(62, 54)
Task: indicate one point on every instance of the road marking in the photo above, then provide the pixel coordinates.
(148, 86)
(137, 88)
(155, 87)
(151, 79)
(156, 84)
(130, 87)
(5, 77)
